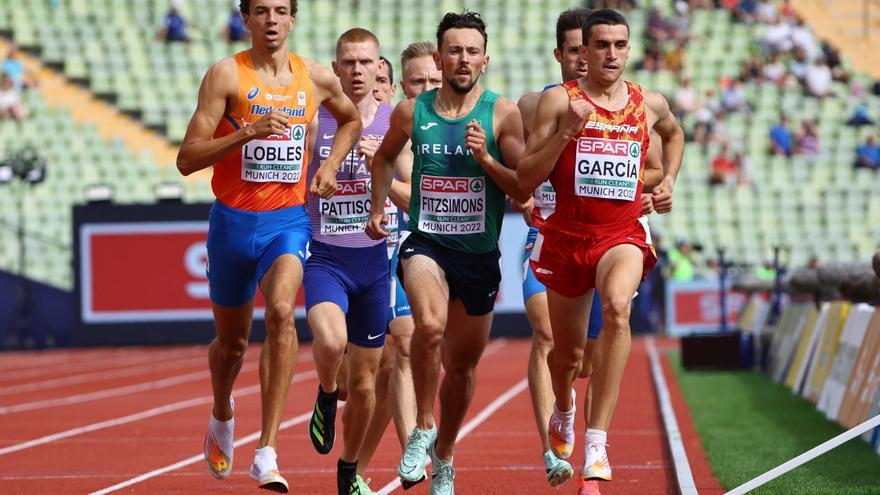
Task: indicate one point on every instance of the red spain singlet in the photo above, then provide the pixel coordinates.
(269, 173)
(599, 176)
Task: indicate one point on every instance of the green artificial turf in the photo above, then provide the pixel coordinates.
(749, 425)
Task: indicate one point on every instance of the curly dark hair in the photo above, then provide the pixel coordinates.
(465, 20)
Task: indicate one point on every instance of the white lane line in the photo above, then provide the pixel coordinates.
(99, 363)
(683, 474)
(149, 413)
(164, 365)
(472, 424)
(302, 418)
(806, 456)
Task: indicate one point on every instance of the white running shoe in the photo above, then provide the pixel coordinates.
(558, 470)
(596, 465)
(265, 472)
(218, 445)
(561, 430)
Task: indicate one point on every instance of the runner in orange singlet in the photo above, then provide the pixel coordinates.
(252, 124)
(591, 137)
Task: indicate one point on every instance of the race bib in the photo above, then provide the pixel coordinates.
(452, 205)
(393, 225)
(348, 211)
(545, 199)
(276, 158)
(607, 168)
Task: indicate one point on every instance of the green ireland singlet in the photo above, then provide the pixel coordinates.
(454, 201)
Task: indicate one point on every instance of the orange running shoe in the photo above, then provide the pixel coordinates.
(588, 487)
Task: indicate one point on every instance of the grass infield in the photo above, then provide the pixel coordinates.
(749, 425)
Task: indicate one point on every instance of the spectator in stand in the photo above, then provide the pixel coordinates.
(774, 71)
(746, 11)
(659, 30)
(733, 98)
(712, 270)
(753, 70)
(798, 65)
(15, 69)
(744, 170)
(235, 29)
(766, 11)
(674, 58)
(807, 140)
(777, 37)
(860, 116)
(724, 169)
(174, 25)
(681, 262)
(802, 37)
(685, 101)
(781, 138)
(818, 79)
(653, 59)
(11, 106)
(832, 58)
(868, 154)
(766, 271)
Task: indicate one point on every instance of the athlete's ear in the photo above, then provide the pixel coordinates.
(437, 61)
(335, 68)
(485, 64)
(292, 22)
(557, 55)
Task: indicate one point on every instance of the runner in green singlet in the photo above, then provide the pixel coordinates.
(466, 142)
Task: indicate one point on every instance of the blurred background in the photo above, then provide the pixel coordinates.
(101, 240)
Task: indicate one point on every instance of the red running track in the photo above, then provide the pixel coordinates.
(67, 425)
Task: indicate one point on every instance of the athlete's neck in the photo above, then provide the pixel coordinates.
(367, 106)
(273, 63)
(453, 105)
(611, 96)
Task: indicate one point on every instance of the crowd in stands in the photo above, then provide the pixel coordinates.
(175, 27)
(14, 79)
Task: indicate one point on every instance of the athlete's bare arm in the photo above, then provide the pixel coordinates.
(395, 140)
(654, 167)
(557, 121)
(663, 122)
(401, 189)
(328, 93)
(528, 108)
(217, 93)
(509, 138)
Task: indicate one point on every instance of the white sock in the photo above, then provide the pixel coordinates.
(265, 458)
(224, 430)
(565, 414)
(597, 437)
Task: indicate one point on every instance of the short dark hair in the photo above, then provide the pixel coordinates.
(390, 68)
(466, 20)
(245, 7)
(603, 17)
(568, 20)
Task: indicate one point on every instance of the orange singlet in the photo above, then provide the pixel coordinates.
(270, 173)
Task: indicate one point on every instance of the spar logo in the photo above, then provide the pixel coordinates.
(295, 133)
(446, 184)
(253, 93)
(476, 185)
(350, 188)
(609, 147)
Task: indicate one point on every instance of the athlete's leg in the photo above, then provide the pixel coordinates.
(327, 321)
(400, 386)
(465, 340)
(428, 294)
(278, 358)
(568, 321)
(382, 408)
(226, 353)
(363, 362)
(617, 277)
(539, 374)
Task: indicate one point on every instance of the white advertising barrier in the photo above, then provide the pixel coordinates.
(847, 350)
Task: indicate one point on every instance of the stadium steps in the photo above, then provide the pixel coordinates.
(843, 24)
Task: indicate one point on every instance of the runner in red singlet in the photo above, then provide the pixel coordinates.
(591, 138)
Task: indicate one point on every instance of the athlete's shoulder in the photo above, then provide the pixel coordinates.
(225, 67)
(656, 101)
(319, 74)
(529, 100)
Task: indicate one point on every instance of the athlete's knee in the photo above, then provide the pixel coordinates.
(460, 371)
(564, 359)
(328, 350)
(542, 338)
(362, 387)
(279, 317)
(231, 349)
(615, 311)
(402, 348)
(431, 329)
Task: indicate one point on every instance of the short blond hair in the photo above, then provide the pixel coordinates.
(416, 50)
(356, 35)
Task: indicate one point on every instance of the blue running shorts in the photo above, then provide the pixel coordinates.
(356, 280)
(242, 245)
(399, 304)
